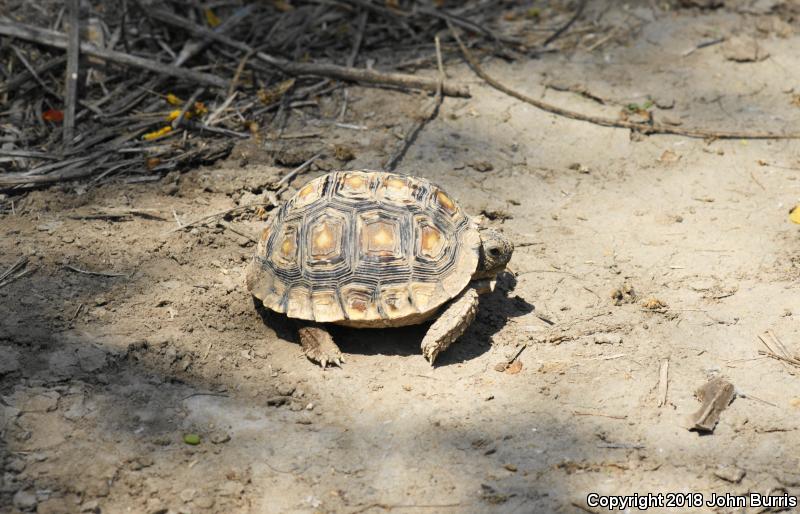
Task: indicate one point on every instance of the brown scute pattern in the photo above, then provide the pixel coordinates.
(380, 239)
(325, 239)
(364, 248)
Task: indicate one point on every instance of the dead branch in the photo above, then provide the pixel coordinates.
(96, 273)
(567, 25)
(26, 75)
(78, 167)
(73, 60)
(59, 40)
(333, 71)
(284, 182)
(644, 128)
(16, 271)
(781, 354)
(428, 115)
(214, 216)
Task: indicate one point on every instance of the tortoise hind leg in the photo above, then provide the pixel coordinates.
(318, 345)
(450, 324)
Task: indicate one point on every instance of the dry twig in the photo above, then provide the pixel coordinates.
(59, 40)
(567, 25)
(15, 271)
(426, 117)
(96, 273)
(365, 76)
(73, 60)
(284, 182)
(663, 382)
(782, 354)
(644, 128)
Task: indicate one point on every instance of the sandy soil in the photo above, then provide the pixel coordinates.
(101, 377)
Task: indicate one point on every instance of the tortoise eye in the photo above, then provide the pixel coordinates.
(494, 252)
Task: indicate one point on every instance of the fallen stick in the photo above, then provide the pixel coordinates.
(71, 75)
(663, 382)
(14, 268)
(186, 106)
(782, 354)
(333, 71)
(96, 273)
(116, 214)
(228, 226)
(59, 40)
(567, 25)
(78, 168)
(212, 217)
(26, 75)
(365, 76)
(644, 128)
(286, 179)
(466, 24)
(582, 413)
(429, 114)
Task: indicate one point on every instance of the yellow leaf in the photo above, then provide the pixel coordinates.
(174, 100)
(158, 133)
(173, 115)
(794, 214)
(200, 108)
(275, 92)
(212, 19)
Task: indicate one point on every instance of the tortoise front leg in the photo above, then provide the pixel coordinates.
(318, 345)
(450, 324)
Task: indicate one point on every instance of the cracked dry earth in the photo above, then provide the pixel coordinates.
(101, 377)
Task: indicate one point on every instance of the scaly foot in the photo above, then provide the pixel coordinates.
(319, 347)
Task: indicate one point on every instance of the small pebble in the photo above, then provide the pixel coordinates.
(25, 500)
(220, 437)
(286, 389)
(204, 502)
(277, 401)
(607, 339)
(730, 474)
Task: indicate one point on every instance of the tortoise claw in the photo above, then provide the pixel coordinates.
(430, 355)
(319, 347)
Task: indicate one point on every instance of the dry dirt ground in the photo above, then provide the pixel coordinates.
(101, 377)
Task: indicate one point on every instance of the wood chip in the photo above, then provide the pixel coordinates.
(715, 395)
(743, 49)
(663, 382)
(514, 368)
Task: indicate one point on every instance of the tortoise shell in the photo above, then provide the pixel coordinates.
(364, 249)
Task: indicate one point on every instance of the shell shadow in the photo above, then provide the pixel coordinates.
(493, 312)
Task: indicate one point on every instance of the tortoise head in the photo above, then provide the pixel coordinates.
(495, 252)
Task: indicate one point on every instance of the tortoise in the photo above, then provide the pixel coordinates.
(367, 248)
